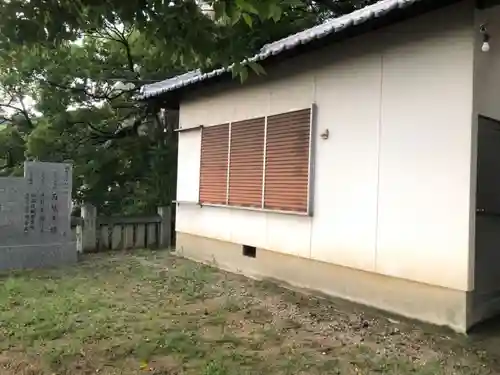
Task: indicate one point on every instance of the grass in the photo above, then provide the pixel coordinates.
(152, 313)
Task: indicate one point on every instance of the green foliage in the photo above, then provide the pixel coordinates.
(11, 141)
(70, 70)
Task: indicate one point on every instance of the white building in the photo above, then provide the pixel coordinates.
(351, 167)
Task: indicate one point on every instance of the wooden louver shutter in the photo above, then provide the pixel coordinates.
(287, 161)
(214, 164)
(246, 163)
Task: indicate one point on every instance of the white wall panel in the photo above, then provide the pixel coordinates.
(392, 182)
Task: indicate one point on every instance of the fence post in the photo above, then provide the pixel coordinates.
(89, 239)
(165, 226)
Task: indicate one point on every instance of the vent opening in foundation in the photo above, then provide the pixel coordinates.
(249, 251)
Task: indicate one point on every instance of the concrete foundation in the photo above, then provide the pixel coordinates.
(432, 304)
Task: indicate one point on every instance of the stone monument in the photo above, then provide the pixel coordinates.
(35, 227)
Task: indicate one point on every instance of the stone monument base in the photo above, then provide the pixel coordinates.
(37, 256)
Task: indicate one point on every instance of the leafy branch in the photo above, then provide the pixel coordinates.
(111, 32)
(108, 93)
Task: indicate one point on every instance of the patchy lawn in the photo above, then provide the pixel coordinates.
(151, 313)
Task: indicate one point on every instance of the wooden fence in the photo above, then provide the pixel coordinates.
(97, 233)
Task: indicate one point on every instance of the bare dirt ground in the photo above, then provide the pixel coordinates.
(152, 313)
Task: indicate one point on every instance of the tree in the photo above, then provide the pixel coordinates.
(79, 110)
(13, 143)
(186, 28)
(70, 70)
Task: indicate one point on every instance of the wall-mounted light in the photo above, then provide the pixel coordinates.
(485, 47)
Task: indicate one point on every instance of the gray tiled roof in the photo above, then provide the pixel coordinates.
(330, 26)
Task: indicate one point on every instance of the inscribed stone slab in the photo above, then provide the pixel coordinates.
(35, 217)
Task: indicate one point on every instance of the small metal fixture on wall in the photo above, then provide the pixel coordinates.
(325, 134)
(485, 47)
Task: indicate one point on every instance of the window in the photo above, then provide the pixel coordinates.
(214, 152)
(246, 172)
(287, 161)
(261, 163)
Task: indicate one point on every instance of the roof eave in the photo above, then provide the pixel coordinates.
(172, 98)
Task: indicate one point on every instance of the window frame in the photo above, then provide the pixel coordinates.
(310, 172)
